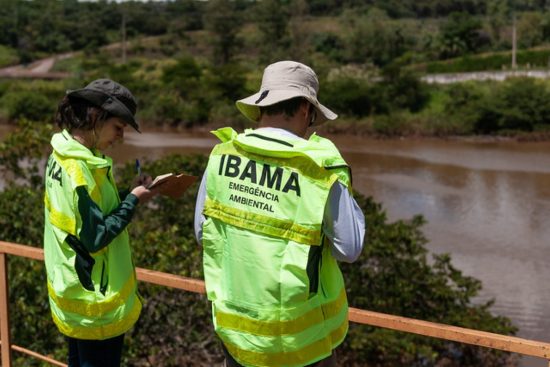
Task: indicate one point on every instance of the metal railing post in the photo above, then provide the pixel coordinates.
(4, 312)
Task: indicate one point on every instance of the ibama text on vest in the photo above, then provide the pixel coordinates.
(270, 176)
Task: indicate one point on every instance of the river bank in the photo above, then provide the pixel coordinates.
(361, 129)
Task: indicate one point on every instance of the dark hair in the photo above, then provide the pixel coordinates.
(288, 107)
(78, 113)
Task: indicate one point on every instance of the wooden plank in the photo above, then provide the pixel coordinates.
(454, 333)
(37, 355)
(22, 251)
(171, 280)
(4, 313)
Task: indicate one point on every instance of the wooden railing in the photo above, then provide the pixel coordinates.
(447, 332)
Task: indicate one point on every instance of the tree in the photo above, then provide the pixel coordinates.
(530, 30)
(460, 34)
(272, 18)
(299, 39)
(373, 37)
(223, 21)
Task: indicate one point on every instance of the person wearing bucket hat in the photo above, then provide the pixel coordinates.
(283, 81)
(90, 273)
(274, 214)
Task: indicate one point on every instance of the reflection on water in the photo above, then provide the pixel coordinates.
(486, 203)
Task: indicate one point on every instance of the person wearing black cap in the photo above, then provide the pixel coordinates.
(90, 274)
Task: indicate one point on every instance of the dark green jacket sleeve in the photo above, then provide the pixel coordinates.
(98, 229)
(123, 193)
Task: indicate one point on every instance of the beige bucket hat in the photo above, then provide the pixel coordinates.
(281, 81)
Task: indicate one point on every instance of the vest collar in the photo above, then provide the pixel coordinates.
(67, 147)
(270, 143)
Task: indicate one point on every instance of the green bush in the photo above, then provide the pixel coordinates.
(29, 105)
(168, 107)
(396, 90)
(8, 56)
(518, 104)
(26, 143)
(403, 90)
(350, 96)
(329, 44)
(495, 61)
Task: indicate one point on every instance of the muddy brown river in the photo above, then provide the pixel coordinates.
(486, 203)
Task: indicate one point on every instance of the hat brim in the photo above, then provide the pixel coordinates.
(109, 103)
(250, 106)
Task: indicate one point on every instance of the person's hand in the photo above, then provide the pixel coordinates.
(142, 180)
(140, 184)
(143, 193)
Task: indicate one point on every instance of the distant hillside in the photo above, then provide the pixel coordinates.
(320, 32)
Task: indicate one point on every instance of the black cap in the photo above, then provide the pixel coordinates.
(112, 97)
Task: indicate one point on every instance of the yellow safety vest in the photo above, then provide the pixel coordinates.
(94, 314)
(277, 293)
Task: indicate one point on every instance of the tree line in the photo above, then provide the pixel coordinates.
(378, 31)
(203, 56)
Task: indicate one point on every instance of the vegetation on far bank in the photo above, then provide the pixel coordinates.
(192, 93)
(188, 61)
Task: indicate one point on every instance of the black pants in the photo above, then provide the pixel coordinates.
(327, 362)
(95, 353)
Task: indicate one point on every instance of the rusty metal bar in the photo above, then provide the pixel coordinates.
(4, 313)
(469, 336)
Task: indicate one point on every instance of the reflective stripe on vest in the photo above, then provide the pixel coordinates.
(103, 331)
(276, 328)
(301, 357)
(58, 219)
(262, 223)
(96, 309)
(76, 174)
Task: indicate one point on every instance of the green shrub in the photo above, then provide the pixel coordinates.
(29, 105)
(403, 90)
(8, 56)
(329, 44)
(494, 61)
(349, 96)
(360, 97)
(167, 107)
(517, 104)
